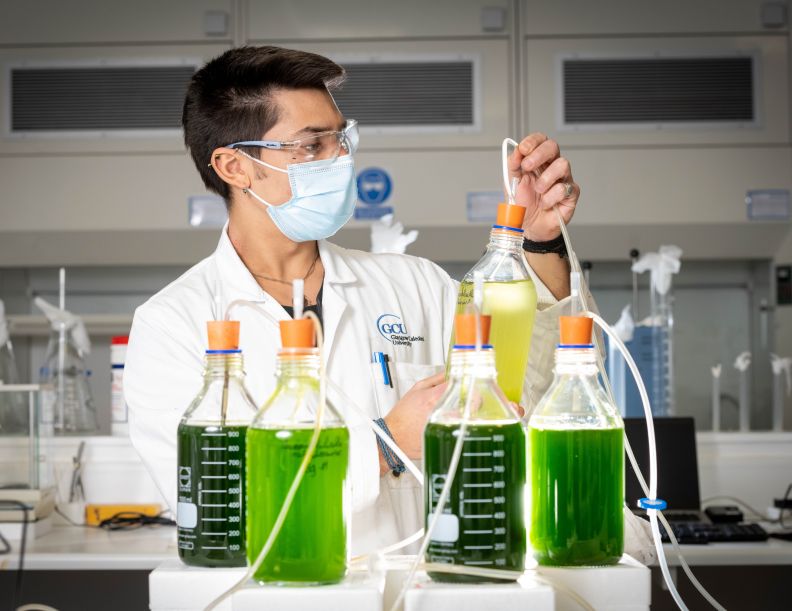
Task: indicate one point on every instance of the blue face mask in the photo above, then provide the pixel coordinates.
(323, 198)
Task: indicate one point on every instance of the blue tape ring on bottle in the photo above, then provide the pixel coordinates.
(235, 351)
(507, 228)
(658, 504)
(471, 347)
(579, 346)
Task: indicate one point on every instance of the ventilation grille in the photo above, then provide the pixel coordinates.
(712, 89)
(90, 99)
(409, 93)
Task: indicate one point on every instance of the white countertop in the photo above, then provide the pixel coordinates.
(771, 552)
(83, 548)
(77, 548)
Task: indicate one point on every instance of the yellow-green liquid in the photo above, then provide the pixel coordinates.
(577, 496)
(312, 544)
(512, 306)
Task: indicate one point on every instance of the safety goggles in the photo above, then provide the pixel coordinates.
(324, 146)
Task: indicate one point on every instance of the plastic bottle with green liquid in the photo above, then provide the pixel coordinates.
(311, 547)
(509, 298)
(483, 522)
(210, 514)
(577, 460)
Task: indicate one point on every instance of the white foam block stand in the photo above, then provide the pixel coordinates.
(358, 592)
(173, 586)
(527, 593)
(624, 587)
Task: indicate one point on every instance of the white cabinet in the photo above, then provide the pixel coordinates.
(146, 191)
(92, 141)
(82, 22)
(289, 20)
(491, 89)
(584, 17)
(655, 186)
(544, 89)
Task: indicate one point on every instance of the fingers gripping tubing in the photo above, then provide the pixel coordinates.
(509, 187)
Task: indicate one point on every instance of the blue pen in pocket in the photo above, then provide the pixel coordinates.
(383, 360)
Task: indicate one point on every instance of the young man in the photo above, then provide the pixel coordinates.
(265, 134)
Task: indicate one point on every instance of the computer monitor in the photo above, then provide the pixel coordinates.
(677, 464)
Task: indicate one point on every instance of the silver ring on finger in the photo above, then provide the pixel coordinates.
(569, 189)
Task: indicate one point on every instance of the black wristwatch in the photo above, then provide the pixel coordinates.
(556, 245)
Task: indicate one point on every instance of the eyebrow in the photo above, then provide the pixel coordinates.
(318, 129)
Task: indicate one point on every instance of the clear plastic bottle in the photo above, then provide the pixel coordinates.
(119, 412)
(483, 522)
(67, 402)
(13, 406)
(509, 298)
(577, 461)
(311, 547)
(211, 457)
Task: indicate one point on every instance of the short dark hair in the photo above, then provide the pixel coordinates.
(229, 99)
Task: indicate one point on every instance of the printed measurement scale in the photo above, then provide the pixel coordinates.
(481, 523)
(210, 514)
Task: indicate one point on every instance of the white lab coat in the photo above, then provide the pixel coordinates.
(362, 292)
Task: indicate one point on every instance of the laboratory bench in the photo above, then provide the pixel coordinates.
(86, 548)
(750, 575)
(77, 568)
(80, 569)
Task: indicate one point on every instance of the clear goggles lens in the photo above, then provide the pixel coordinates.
(325, 146)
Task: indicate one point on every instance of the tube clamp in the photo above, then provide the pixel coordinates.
(658, 504)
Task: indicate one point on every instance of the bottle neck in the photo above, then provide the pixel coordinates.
(465, 363)
(506, 239)
(222, 364)
(297, 363)
(576, 361)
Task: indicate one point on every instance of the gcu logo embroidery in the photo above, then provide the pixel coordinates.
(392, 328)
(390, 324)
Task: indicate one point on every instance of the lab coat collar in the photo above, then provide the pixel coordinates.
(242, 284)
(233, 274)
(337, 270)
(334, 304)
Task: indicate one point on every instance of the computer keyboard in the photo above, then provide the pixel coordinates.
(702, 532)
(680, 516)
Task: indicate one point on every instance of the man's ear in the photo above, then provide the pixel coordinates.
(227, 165)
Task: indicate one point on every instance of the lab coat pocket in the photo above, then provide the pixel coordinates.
(403, 376)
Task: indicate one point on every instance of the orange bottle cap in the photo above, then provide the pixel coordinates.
(510, 215)
(575, 330)
(297, 333)
(223, 334)
(466, 329)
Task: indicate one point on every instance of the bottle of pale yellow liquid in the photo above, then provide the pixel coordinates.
(509, 298)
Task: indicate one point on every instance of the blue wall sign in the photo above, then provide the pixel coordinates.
(374, 187)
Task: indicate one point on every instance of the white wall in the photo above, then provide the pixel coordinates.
(634, 177)
(74, 198)
(783, 314)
